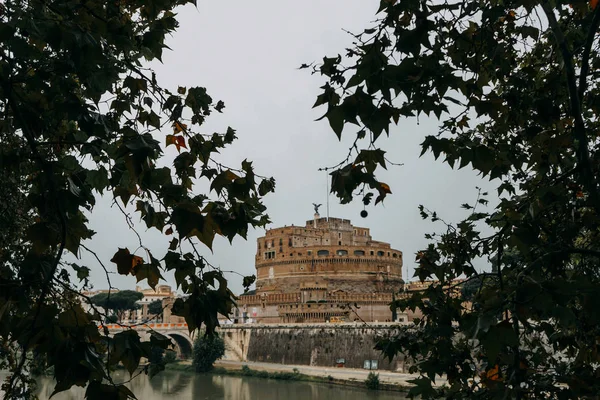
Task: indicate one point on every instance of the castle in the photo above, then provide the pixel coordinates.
(327, 270)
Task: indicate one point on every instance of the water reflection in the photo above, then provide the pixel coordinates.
(184, 386)
(252, 388)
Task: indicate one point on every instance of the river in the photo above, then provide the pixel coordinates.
(187, 386)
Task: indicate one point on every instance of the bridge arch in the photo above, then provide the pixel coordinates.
(183, 344)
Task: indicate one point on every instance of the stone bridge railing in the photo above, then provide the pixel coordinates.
(179, 332)
(151, 325)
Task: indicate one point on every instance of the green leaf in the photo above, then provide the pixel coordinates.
(422, 387)
(100, 391)
(248, 281)
(266, 186)
(187, 219)
(98, 179)
(42, 237)
(82, 272)
(335, 116)
(150, 272)
(126, 348)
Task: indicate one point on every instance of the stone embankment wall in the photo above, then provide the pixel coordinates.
(309, 344)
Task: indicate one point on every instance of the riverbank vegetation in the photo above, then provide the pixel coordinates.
(295, 375)
(372, 381)
(244, 370)
(207, 349)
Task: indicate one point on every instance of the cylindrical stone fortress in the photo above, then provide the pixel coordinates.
(326, 251)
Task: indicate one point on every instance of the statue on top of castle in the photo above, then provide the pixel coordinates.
(316, 206)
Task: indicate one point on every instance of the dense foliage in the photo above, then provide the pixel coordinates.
(372, 381)
(155, 309)
(207, 350)
(82, 117)
(515, 86)
(169, 356)
(118, 302)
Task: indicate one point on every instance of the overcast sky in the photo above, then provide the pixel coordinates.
(247, 54)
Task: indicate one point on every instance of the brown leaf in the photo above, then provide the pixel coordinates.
(178, 141)
(385, 187)
(493, 373)
(126, 262)
(123, 259)
(179, 127)
(170, 139)
(135, 260)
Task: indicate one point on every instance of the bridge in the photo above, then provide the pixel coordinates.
(183, 340)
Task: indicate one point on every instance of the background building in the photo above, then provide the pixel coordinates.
(163, 293)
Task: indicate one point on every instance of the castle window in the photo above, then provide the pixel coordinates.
(342, 252)
(372, 252)
(395, 255)
(388, 253)
(380, 253)
(280, 241)
(321, 253)
(339, 243)
(359, 252)
(291, 254)
(339, 235)
(309, 252)
(269, 255)
(290, 242)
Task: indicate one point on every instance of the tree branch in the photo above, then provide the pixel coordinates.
(30, 137)
(581, 139)
(585, 61)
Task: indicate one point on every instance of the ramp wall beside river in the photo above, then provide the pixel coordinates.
(315, 344)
